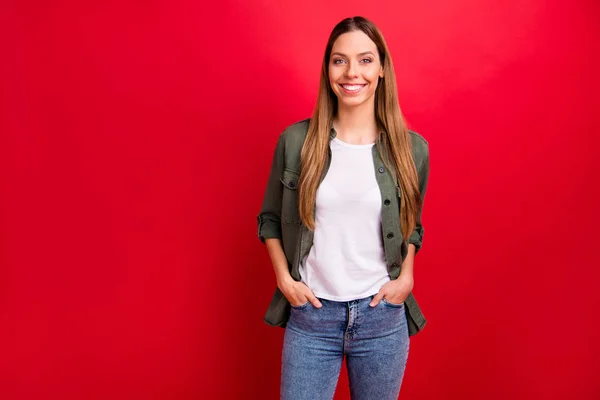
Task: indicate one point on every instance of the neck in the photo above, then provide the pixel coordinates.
(356, 125)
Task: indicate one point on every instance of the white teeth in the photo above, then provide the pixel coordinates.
(352, 88)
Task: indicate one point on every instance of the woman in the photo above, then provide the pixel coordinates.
(341, 219)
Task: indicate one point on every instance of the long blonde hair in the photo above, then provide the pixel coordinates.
(395, 138)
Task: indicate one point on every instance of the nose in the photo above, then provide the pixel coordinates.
(352, 70)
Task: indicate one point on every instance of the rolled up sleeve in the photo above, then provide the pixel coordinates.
(416, 237)
(269, 218)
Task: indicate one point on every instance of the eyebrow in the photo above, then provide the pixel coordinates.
(364, 53)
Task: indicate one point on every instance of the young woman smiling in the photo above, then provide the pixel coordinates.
(341, 219)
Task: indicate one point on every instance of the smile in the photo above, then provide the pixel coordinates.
(352, 88)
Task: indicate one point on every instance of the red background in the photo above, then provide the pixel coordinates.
(135, 142)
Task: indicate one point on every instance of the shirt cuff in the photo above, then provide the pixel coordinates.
(269, 226)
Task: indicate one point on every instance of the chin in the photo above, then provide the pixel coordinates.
(355, 102)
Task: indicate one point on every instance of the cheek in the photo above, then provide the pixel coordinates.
(332, 77)
(374, 79)
(374, 74)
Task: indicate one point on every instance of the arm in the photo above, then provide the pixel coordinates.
(279, 261)
(269, 232)
(269, 219)
(416, 238)
(415, 241)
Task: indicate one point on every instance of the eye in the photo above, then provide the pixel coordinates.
(367, 60)
(338, 61)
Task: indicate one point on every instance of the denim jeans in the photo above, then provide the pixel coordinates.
(374, 340)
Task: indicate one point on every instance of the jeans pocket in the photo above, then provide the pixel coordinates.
(301, 306)
(394, 305)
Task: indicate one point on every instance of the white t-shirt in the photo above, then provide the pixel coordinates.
(347, 259)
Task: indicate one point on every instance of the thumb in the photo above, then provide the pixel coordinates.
(313, 299)
(377, 299)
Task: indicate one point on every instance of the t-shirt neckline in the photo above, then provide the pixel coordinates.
(355, 146)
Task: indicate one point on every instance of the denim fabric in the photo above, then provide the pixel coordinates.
(374, 340)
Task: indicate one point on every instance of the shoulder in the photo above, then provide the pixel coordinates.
(418, 140)
(295, 134)
(289, 145)
(420, 147)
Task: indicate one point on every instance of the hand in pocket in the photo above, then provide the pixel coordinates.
(298, 293)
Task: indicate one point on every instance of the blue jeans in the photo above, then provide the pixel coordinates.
(374, 340)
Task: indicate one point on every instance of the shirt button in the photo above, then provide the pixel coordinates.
(386, 202)
(292, 184)
(381, 169)
(394, 265)
(390, 235)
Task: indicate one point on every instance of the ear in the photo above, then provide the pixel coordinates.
(381, 73)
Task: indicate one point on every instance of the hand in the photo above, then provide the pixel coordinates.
(298, 293)
(394, 291)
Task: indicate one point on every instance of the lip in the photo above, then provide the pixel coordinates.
(352, 92)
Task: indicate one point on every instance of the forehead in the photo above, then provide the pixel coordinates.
(354, 42)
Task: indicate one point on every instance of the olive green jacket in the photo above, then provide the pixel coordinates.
(279, 216)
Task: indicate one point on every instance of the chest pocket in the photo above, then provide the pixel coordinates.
(289, 201)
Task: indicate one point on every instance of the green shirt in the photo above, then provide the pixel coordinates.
(280, 218)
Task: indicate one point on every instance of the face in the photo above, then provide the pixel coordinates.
(354, 69)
